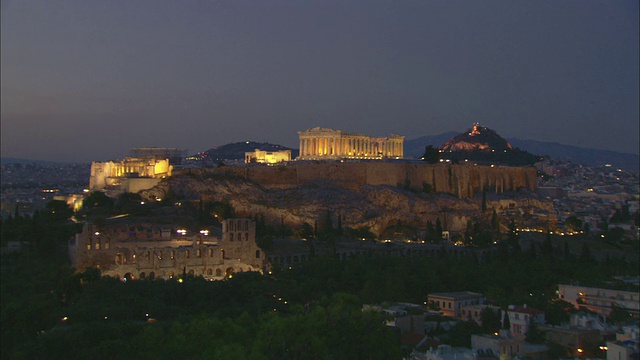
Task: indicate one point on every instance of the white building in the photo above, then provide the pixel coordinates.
(600, 300)
(521, 316)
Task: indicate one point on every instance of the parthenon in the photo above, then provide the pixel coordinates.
(329, 144)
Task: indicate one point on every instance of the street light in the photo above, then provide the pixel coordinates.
(604, 351)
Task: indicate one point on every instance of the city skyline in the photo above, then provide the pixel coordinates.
(85, 81)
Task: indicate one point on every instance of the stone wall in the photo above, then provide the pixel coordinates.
(138, 251)
(461, 180)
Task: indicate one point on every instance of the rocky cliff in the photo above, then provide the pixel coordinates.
(359, 193)
(462, 181)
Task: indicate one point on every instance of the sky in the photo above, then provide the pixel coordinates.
(86, 80)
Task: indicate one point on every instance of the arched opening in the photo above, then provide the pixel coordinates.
(191, 272)
(171, 275)
(142, 276)
(128, 277)
(209, 271)
(257, 254)
(218, 272)
(229, 272)
(152, 276)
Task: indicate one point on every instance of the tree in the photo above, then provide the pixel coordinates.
(585, 253)
(534, 335)
(438, 228)
(484, 199)
(566, 252)
(495, 222)
(573, 223)
(431, 155)
(98, 200)
(58, 210)
(306, 231)
(506, 323)
(339, 229)
(490, 320)
(615, 233)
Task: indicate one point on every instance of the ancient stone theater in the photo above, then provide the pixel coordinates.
(138, 251)
(328, 144)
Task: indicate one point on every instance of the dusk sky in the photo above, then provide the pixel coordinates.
(86, 80)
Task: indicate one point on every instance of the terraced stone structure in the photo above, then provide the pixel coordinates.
(139, 251)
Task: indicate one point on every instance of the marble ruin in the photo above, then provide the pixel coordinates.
(267, 157)
(142, 170)
(328, 144)
(128, 251)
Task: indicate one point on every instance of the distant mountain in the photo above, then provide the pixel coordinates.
(585, 156)
(235, 151)
(10, 160)
(414, 148)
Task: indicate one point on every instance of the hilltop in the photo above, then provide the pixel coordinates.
(414, 148)
(483, 145)
(236, 151)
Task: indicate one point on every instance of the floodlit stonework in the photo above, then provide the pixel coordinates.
(128, 175)
(329, 144)
(137, 251)
(267, 157)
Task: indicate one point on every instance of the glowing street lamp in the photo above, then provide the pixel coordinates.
(604, 351)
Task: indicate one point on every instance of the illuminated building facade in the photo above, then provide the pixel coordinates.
(129, 175)
(328, 144)
(267, 157)
(598, 300)
(128, 251)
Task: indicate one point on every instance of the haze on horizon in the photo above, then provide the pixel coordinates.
(87, 80)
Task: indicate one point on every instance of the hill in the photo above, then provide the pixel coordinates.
(585, 156)
(236, 151)
(10, 160)
(483, 145)
(414, 148)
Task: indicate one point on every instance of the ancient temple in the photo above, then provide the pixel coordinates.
(329, 144)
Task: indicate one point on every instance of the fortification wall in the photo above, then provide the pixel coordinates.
(460, 180)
